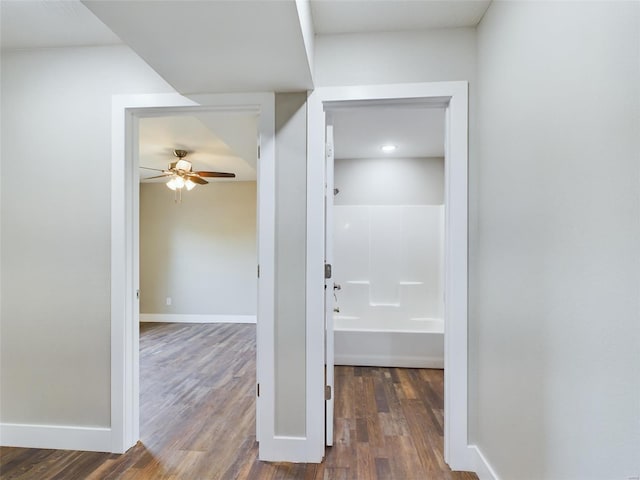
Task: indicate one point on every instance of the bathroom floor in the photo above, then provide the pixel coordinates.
(389, 425)
(198, 419)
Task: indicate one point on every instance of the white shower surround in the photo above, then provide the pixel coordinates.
(389, 263)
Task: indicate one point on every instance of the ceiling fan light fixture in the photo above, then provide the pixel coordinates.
(183, 165)
(176, 183)
(180, 175)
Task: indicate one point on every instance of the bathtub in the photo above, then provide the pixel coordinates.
(412, 343)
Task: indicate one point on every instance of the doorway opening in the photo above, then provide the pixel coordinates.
(452, 98)
(129, 115)
(198, 286)
(384, 229)
(387, 237)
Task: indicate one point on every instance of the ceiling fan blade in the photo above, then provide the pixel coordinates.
(156, 169)
(216, 174)
(197, 179)
(158, 176)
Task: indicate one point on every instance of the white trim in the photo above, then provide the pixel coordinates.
(289, 449)
(480, 464)
(59, 437)
(265, 328)
(400, 361)
(193, 318)
(124, 365)
(454, 97)
(126, 109)
(456, 278)
(315, 321)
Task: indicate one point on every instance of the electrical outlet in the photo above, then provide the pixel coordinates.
(168, 300)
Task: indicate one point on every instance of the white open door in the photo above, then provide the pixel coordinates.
(329, 285)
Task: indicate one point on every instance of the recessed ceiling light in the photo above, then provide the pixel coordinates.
(388, 148)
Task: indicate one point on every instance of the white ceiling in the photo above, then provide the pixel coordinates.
(44, 24)
(221, 142)
(417, 132)
(358, 16)
(220, 45)
(214, 46)
(232, 45)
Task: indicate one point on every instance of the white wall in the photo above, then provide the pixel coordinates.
(555, 323)
(389, 181)
(200, 252)
(291, 214)
(56, 181)
(395, 57)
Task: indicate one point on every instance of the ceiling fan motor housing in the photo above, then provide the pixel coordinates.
(183, 165)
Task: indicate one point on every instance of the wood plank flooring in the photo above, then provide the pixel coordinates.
(198, 420)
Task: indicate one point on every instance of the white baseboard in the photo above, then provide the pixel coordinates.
(59, 437)
(288, 449)
(187, 318)
(388, 361)
(482, 467)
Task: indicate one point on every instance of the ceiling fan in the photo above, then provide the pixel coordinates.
(181, 175)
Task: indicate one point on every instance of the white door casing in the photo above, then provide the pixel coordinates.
(126, 110)
(453, 96)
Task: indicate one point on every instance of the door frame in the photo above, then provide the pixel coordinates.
(126, 111)
(453, 96)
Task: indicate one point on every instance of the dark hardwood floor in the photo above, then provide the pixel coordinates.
(198, 420)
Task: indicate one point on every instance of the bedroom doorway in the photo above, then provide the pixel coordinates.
(198, 285)
(127, 114)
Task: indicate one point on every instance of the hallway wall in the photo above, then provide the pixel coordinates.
(554, 324)
(56, 220)
(395, 57)
(290, 264)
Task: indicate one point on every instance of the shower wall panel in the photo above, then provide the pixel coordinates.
(388, 260)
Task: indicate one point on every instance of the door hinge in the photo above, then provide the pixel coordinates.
(258, 271)
(257, 389)
(327, 392)
(329, 150)
(138, 294)
(258, 152)
(327, 270)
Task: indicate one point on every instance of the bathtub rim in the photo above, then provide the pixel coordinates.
(437, 329)
(380, 330)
